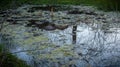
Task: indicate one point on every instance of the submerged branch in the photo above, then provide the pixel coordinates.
(25, 51)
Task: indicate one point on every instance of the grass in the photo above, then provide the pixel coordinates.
(8, 60)
(101, 4)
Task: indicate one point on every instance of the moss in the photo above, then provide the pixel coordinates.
(9, 60)
(15, 32)
(60, 52)
(35, 39)
(68, 64)
(45, 56)
(65, 50)
(42, 47)
(51, 57)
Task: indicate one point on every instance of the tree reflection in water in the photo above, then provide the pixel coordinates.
(74, 34)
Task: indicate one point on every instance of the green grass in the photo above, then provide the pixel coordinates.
(101, 4)
(8, 60)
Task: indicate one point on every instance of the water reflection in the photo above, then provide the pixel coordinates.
(93, 46)
(81, 45)
(93, 43)
(74, 34)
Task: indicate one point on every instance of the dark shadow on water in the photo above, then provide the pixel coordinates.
(46, 25)
(74, 34)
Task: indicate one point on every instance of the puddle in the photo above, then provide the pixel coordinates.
(65, 40)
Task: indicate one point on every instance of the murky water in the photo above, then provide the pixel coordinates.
(89, 39)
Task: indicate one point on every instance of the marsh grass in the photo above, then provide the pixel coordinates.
(9, 60)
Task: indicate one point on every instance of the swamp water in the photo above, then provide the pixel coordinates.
(78, 36)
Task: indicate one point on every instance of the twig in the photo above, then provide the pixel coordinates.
(25, 51)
